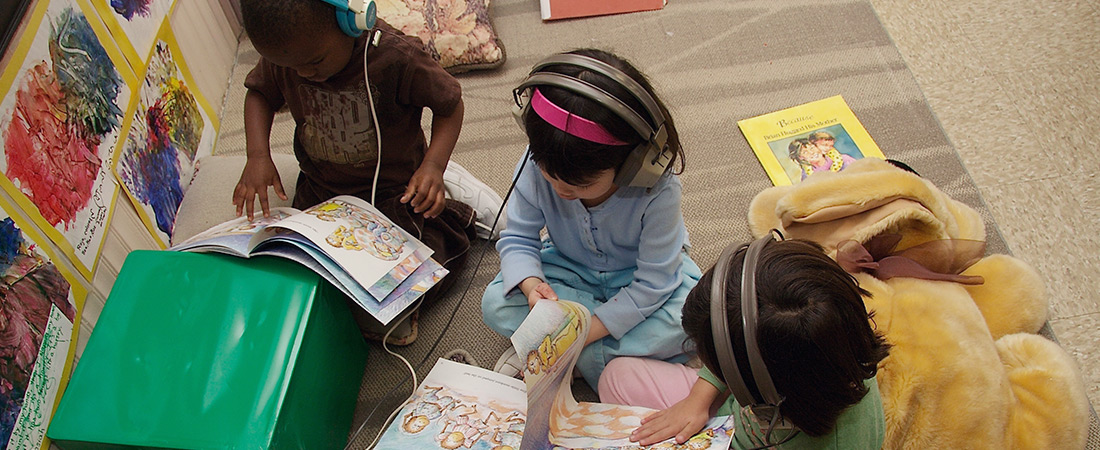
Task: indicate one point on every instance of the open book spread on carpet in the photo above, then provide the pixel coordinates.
(466, 407)
(345, 240)
(819, 136)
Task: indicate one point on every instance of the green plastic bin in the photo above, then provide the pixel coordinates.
(212, 351)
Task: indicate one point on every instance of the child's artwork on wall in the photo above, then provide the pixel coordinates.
(134, 24)
(39, 303)
(171, 127)
(65, 91)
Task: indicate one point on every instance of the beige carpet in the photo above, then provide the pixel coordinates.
(713, 62)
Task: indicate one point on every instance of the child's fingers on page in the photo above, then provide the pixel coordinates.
(278, 185)
(654, 432)
(264, 205)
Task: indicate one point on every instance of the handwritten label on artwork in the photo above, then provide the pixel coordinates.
(30, 427)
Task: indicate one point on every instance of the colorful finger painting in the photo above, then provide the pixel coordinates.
(39, 305)
(134, 24)
(170, 128)
(60, 120)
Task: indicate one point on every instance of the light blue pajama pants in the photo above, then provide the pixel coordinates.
(659, 336)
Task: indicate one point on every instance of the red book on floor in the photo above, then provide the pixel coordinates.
(564, 9)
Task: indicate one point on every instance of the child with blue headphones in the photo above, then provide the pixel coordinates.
(803, 372)
(599, 178)
(356, 89)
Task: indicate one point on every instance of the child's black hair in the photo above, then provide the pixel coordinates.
(813, 330)
(577, 161)
(272, 23)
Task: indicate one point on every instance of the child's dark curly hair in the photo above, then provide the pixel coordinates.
(272, 23)
(814, 332)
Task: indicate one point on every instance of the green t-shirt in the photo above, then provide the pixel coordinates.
(861, 426)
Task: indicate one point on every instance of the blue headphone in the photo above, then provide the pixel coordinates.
(354, 16)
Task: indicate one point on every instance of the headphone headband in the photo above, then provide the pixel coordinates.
(765, 405)
(607, 70)
(590, 91)
(645, 165)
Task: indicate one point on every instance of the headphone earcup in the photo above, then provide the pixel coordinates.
(520, 107)
(354, 16)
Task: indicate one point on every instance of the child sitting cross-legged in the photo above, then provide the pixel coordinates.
(356, 96)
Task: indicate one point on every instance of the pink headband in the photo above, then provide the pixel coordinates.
(569, 123)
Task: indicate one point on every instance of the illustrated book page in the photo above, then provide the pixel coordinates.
(550, 340)
(820, 136)
(458, 406)
(345, 240)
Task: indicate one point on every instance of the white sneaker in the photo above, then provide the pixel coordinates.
(509, 364)
(463, 186)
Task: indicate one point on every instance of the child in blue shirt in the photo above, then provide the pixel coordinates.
(617, 248)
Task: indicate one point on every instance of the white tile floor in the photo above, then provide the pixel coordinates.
(1014, 83)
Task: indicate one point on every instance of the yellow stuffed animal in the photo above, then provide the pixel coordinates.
(966, 369)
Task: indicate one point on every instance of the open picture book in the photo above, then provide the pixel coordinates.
(820, 136)
(346, 240)
(459, 406)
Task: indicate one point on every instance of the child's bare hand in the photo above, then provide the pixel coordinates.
(425, 191)
(536, 290)
(258, 174)
(682, 420)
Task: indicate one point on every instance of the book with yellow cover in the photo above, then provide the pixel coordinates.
(819, 136)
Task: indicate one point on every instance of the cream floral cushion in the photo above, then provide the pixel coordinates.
(457, 32)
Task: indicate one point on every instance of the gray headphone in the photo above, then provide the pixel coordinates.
(650, 159)
(765, 404)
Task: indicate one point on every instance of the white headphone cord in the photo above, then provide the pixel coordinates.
(373, 40)
(446, 326)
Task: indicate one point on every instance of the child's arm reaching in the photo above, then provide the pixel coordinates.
(682, 420)
(425, 190)
(259, 170)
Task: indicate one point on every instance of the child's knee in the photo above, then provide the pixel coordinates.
(498, 312)
(617, 380)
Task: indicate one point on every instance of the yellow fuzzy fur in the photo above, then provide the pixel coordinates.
(966, 369)
(1012, 299)
(1048, 402)
(942, 217)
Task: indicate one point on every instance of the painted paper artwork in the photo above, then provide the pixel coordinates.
(134, 24)
(60, 119)
(169, 130)
(38, 307)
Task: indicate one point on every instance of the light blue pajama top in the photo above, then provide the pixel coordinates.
(635, 228)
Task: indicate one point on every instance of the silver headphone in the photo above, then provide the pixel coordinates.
(765, 402)
(649, 160)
